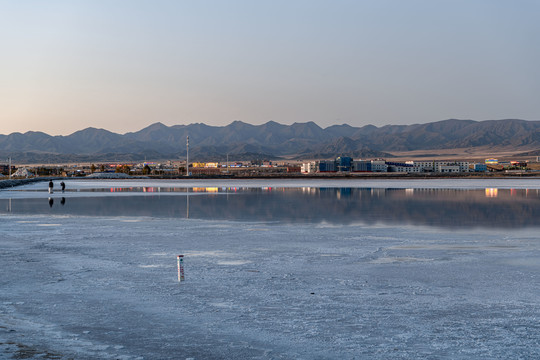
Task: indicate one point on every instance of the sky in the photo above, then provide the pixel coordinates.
(122, 65)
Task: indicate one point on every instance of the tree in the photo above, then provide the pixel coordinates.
(123, 169)
(102, 168)
(146, 170)
(92, 168)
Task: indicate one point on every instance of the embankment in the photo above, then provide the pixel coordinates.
(17, 182)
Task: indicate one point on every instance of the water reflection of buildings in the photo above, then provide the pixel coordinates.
(339, 193)
(511, 208)
(206, 189)
(492, 192)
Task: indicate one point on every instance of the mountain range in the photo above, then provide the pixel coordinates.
(269, 141)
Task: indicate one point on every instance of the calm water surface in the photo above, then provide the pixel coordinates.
(489, 207)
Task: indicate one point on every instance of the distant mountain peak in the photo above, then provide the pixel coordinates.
(91, 130)
(156, 126)
(238, 122)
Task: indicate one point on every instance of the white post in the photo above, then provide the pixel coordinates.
(178, 266)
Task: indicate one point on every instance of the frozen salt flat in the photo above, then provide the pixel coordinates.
(92, 286)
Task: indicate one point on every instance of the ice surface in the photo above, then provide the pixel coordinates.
(106, 287)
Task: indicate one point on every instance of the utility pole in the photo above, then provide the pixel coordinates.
(10, 168)
(187, 156)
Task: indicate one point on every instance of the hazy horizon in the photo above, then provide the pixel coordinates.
(124, 65)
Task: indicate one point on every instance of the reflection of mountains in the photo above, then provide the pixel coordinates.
(444, 208)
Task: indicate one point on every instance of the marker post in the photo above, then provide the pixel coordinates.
(180, 263)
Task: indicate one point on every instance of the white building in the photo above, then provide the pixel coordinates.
(440, 166)
(379, 166)
(449, 169)
(424, 166)
(309, 168)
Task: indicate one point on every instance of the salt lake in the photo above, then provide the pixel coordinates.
(280, 269)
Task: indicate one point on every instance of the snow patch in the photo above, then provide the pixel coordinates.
(389, 260)
(234, 262)
(152, 266)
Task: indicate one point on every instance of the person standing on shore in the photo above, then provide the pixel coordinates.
(51, 187)
(63, 186)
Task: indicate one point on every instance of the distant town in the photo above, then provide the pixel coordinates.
(340, 166)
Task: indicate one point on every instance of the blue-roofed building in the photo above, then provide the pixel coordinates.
(327, 166)
(361, 166)
(344, 163)
(480, 167)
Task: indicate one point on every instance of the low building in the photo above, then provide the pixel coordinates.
(449, 169)
(309, 167)
(441, 166)
(399, 167)
(4, 169)
(424, 166)
(327, 166)
(518, 164)
(478, 167)
(361, 166)
(379, 165)
(293, 169)
(344, 164)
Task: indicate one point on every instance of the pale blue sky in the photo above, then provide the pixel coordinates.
(122, 65)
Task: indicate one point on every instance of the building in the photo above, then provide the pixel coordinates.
(361, 166)
(449, 169)
(480, 167)
(327, 166)
(400, 167)
(347, 164)
(518, 164)
(344, 164)
(309, 168)
(4, 169)
(379, 165)
(438, 166)
(424, 166)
